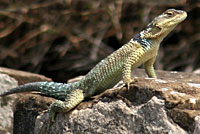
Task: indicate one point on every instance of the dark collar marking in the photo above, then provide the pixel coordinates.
(144, 42)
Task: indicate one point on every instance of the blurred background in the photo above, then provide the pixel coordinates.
(62, 39)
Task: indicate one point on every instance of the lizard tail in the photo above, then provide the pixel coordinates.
(51, 89)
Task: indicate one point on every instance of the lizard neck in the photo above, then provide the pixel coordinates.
(160, 32)
(146, 43)
(153, 41)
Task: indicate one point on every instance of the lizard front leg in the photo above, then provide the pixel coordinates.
(133, 58)
(149, 69)
(72, 99)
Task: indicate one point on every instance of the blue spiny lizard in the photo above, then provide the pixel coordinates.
(142, 48)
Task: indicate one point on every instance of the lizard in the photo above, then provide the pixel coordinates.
(141, 49)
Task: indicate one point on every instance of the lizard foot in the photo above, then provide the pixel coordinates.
(127, 83)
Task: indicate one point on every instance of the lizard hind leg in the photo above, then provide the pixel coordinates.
(72, 99)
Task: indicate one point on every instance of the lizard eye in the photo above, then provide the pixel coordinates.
(169, 14)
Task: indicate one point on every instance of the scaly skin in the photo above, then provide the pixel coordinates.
(142, 48)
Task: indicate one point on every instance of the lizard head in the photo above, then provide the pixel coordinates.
(166, 22)
(169, 19)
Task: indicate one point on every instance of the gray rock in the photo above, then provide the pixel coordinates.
(6, 112)
(114, 117)
(10, 78)
(197, 125)
(169, 105)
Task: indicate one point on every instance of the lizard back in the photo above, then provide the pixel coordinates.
(108, 72)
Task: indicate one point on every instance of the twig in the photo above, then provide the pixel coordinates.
(10, 29)
(29, 36)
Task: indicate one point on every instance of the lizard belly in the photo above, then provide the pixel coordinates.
(110, 81)
(106, 81)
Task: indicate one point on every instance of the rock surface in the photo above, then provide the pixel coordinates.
(168, 105)
(150, 106)
(113, 117)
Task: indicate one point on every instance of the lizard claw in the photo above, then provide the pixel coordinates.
(128, 84)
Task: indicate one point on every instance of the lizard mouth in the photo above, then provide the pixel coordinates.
(181, 16)
(184, 16)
